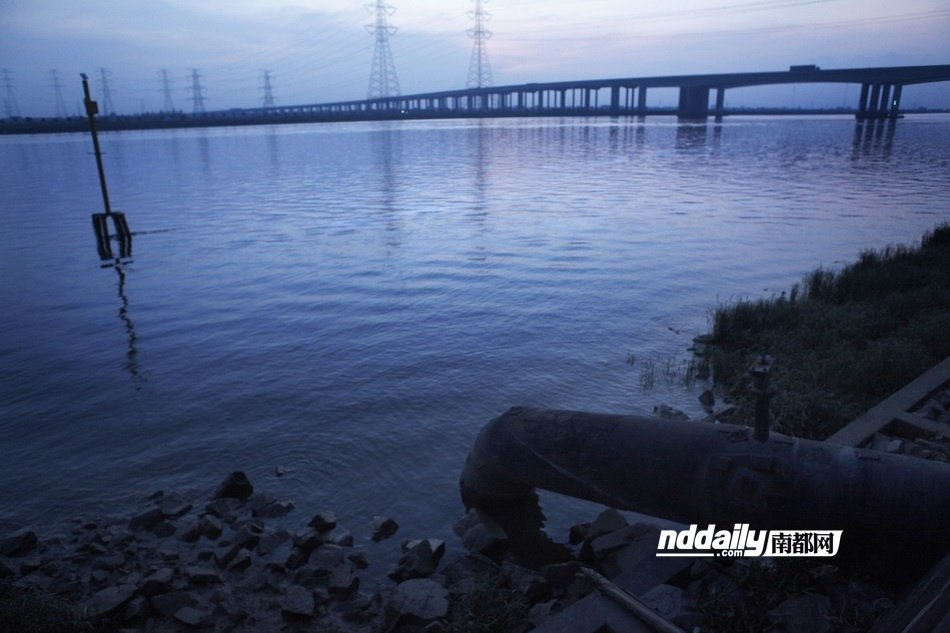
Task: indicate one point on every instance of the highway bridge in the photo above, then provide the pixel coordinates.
(880, 98)
(881, 90)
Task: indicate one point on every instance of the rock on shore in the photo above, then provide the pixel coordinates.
(185, 565)
(219, 564)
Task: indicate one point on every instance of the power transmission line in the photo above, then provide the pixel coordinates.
(58, 90)
(197, 92)
(268, 90)
(620, 21)
(107, 106)
(479, 71)
(383, 81)
(10, 107)
(167, 92)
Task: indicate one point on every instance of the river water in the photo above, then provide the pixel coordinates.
(352, 302)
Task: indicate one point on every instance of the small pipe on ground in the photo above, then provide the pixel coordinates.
(630, 602)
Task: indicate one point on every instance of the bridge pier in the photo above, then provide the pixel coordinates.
(694, 102)
(878, 102)
(896, 101)
(874, 101)
(882, 106)
(642, 101)
(720, 102)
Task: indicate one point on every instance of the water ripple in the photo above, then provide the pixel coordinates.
(352, 302)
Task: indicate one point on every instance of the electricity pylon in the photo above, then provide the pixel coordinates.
(58, 89)
(107, 106)
(268, 90)
(197, 92)
(10, 107)
(383, 81)
(166, 92)
(479, 71)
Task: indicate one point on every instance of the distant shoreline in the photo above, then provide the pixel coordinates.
(257, 116)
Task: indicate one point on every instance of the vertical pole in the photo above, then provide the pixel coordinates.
(760, 371)
(92, 108)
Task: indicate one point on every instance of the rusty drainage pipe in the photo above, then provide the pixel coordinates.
(890, 507)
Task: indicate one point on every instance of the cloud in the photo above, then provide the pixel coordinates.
(319, 50)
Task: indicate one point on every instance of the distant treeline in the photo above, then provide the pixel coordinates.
(261, 116)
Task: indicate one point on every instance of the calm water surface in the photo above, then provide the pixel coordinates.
(352, 302)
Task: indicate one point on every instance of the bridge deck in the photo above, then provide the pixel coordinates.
(881, 90)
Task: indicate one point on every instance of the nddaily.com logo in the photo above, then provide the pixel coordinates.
(741, 542)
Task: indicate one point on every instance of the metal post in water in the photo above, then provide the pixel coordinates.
(92, 109)
(100, 221)
(760, 371)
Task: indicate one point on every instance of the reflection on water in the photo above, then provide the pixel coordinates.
(354, 301)
(874, 138)
(109, 228)
(481, 167)
(132, 354)
(273, 150)
(691, 136)
(173, 149)
(386, 144)
(204, 148)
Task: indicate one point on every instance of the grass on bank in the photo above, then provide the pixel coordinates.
(758, 587)
(26, 611)
(490, 607)
(842, 341)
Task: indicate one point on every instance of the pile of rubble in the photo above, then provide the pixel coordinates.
(172, 567)
(223, 567)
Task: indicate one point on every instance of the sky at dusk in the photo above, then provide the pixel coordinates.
(321, 51)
